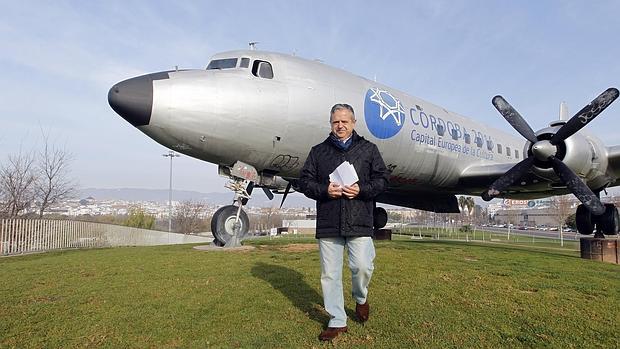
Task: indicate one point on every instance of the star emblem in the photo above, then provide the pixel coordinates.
(386, 110)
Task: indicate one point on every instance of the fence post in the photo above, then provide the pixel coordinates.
(18, 236)
(2, 227)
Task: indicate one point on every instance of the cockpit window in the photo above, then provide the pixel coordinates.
(245, 62)
(262, 69)
(226, 63)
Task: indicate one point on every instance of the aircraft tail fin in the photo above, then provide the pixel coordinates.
(564, 111)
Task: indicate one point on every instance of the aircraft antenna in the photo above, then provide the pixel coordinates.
(253, 45)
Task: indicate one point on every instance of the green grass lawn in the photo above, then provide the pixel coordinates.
(423, 294)
(517, 237)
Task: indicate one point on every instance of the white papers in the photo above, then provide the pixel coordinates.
(344, 174)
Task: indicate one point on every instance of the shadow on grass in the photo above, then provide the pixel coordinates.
(292, 285)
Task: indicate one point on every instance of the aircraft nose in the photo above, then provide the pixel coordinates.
(133, 98)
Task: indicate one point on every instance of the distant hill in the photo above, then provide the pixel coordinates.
(259, 198)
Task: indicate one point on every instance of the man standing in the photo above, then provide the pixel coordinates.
(344, 214)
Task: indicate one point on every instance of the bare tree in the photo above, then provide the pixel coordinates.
(561, 208)
(189, 218)
(271, 217)
(17, 180)
(53, 183)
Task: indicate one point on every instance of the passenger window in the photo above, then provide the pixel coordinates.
(516, 154)
(226, 63)
(454, 134)
(489, 145)
(499, 148)
(479, 142)
(262, 69)
(441, 130)
(507, 151)
(245, 62)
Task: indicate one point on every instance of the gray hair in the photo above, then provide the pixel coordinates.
(341, 106)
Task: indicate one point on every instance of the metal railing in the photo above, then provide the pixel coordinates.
(19, 236)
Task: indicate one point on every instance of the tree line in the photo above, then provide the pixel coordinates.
(32, 181)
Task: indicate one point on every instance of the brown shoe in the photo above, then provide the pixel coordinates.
(362, 311)
(332, 332)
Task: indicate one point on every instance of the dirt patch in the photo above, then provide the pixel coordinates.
(300, 247)
(226, 249)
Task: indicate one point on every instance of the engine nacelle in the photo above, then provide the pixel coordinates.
(581, 153)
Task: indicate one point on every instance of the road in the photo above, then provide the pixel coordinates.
(571, 235)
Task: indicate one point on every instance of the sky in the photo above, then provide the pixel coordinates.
(60, 58)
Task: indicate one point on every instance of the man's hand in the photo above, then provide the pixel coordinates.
(334, 190)
(351, 191)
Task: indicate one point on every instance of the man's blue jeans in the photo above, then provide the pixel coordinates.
(361, 255)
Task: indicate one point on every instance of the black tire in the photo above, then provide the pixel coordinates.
(610, 221)
(380, 217)
(222, 224)
(583, 220)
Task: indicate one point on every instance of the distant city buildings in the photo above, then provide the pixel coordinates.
(93, 207)
(302, 219)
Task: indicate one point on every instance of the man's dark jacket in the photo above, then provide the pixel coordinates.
(343, 216)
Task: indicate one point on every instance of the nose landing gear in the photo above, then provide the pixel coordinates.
(230, 224)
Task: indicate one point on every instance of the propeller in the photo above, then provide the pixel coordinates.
(249, 190)
(546, 150)
(514, 118)
(511, 176)
(268, 193)
(286, 191)
(585, 115)
(577, 186)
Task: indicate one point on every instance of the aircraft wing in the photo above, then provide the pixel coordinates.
(477, 178)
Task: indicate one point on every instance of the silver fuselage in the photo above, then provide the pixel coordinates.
(228, 115)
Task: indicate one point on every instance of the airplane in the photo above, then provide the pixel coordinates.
(256, 114)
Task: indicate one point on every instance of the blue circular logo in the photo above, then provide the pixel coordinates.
(384, 114)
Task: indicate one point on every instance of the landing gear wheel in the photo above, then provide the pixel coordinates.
(583, 220)
(223, 224)
(610, 220)
(380, 217)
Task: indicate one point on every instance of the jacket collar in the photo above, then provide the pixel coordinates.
(354, 140)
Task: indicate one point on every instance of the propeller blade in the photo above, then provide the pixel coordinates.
(249, 190)
(286, 191)
(268, 193)
(514, 118)
(585, 115)
(510, 177)
(577, 186)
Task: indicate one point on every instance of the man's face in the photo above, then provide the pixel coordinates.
(342, 123)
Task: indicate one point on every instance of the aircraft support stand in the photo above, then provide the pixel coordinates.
(602, 250)
(598, 247)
